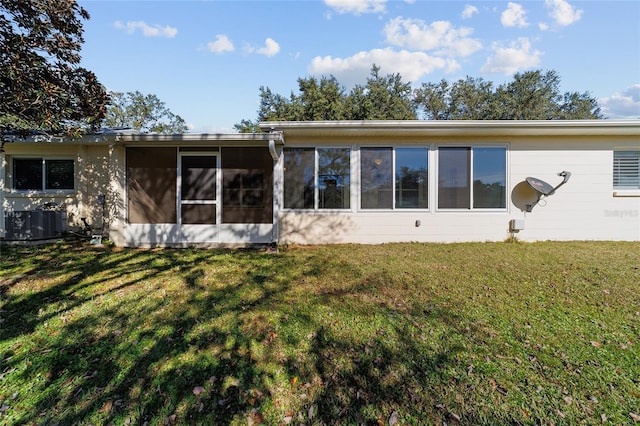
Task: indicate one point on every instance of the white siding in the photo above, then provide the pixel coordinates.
(585, 208)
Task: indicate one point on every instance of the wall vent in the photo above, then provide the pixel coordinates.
(34, 225)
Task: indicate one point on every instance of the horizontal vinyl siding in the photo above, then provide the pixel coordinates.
(585, 207)
(582, 209)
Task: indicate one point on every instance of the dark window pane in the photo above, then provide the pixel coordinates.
(376, 176)
(489, 177)
(453, 178)
(193, 214)
(27, 174)
(199, 178)
(59, 174)
(299, 164)
(334, 175)
(412, 178)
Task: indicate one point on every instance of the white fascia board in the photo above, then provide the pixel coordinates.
(457, 127)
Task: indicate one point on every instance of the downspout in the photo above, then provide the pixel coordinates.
(277, 184)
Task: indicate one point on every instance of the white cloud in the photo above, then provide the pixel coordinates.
(355, 69)
(514, 16)
(271, 48)
(543, 26)
(562, 12)
(147, 30)
(221, 44)
(469, 11)
(509, 60)
(357, 7)
(622, 105)
(440, 36)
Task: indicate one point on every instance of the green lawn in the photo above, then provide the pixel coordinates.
(486, 333)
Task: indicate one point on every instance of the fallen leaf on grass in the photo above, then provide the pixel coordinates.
(393, 419)
(635, 417)
(198, 390)
(596, 344)
(106, 407)
(454, 417)
(497, 387)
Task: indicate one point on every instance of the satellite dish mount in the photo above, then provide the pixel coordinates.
(543, 189)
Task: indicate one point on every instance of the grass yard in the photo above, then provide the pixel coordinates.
(486, 333)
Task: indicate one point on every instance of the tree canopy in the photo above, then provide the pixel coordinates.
(41, 85)
(144, 113)
(531, 95)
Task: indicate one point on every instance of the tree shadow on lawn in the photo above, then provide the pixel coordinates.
(227, 344)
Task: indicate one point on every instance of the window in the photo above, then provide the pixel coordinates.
(471, 178)
(412, 183)
(317, 178)
(379, 182)
(626, 169)
(299, 176)
(37, 174)
(376, 177)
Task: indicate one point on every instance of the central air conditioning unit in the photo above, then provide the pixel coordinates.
(34, 225)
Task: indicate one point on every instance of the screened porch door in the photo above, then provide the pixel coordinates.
(198, 208)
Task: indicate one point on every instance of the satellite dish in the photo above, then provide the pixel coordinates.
(542, 188)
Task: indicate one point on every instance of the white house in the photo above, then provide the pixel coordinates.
(333, 182)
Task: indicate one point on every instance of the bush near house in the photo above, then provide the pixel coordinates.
(478, 333)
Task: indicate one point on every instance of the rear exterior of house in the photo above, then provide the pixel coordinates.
(448, 181)
(331, 182)
(145, 190)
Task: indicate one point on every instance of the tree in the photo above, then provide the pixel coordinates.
(532, 95)
(144, 113)
(381, 98)
(41, 85)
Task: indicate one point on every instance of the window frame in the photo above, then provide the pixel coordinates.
(316, 179)
(471, 147)
(43, 189)
(628, 190)
(427, 151)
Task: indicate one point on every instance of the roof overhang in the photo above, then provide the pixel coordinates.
(190, 139)
(454, 128)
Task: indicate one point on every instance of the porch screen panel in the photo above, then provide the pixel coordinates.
(247, 185)
(198, 214)
(199, 178)
(151, 184)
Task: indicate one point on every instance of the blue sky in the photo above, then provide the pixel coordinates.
(207, 59)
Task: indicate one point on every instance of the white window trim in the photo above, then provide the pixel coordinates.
(471, 146)
(354, 174)
(180, 201)
(30, 192)
(429, 150)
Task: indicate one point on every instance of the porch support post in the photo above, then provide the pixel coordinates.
(276, 154)
(115, 206)
(3, 168)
